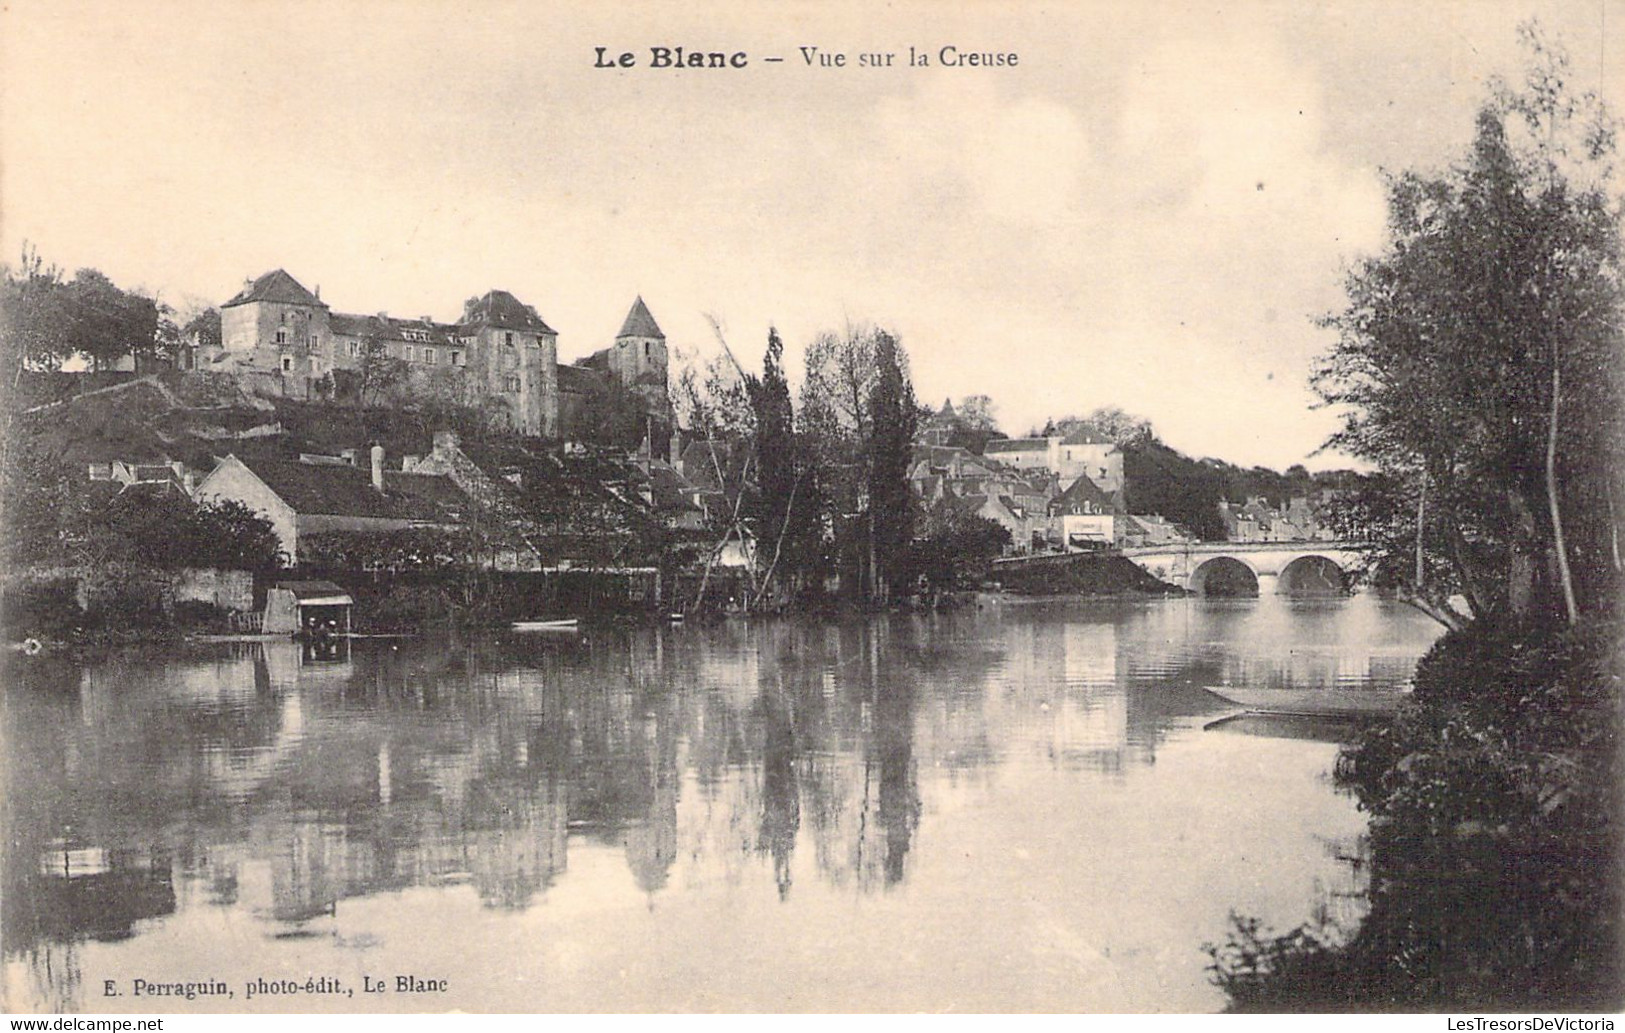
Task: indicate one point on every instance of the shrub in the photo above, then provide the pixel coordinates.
(41, 609)
(1495, 863)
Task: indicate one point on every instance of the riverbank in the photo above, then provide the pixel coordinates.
(52, 621)
(1495, 852)
(1085, 575)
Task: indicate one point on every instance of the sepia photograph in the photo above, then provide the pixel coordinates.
(982, 506)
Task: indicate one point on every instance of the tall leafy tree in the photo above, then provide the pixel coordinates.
(33, 315)
(785, 506)
(977, 412)
(106, 323)
(380, 371)
(895, 418)
(715, 401)
(1479, 364)
(847, 375)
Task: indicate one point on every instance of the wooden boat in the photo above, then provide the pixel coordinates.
(1314, 702)
(566, 624)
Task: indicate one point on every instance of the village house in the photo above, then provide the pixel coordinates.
(1082, 453)
(1258, 521)
(316, 495)
(1084, 517)
(1151, 529)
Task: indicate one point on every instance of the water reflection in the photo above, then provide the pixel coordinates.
(263, 781)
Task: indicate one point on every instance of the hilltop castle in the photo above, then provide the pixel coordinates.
(280, 338)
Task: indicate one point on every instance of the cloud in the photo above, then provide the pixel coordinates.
(1016, 159)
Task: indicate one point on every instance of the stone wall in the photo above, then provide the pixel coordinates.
(226, 589)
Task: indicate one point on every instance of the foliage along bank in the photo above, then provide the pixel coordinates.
(1480, 364)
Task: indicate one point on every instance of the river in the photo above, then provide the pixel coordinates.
(1023, 806)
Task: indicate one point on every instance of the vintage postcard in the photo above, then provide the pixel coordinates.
(810, 507)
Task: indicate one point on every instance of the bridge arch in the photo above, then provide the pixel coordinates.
(1313, 575)
(1224, 576)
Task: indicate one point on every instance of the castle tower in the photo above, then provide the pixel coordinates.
(513, 357)
(275, 324)
(638, 359)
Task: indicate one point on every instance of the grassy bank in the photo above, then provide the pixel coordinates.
(1084, 575)
(1495, 864)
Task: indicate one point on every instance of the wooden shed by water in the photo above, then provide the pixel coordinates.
(294, 606)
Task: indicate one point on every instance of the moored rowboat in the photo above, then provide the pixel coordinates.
(1314, 702)
(558, 625)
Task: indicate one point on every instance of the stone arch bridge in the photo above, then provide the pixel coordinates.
(1252, 568)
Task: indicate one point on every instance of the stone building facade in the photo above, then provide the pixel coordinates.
(501, 356)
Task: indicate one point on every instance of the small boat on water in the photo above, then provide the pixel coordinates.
(1324, 702)
(566, 624)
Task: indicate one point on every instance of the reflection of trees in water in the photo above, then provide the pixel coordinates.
(421, 764)
(781, 793)
(862, 803)
(892, 754)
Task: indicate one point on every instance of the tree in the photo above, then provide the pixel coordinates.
(379, 370)
(847, 374)
(164, 349)
(33, 315)
(202, 330)
(953, 545)
(1122, 427)
(1108, 421)
(715, 402)
(615, 416)
(106, 323)
(976, 413)
(228, 534)
(784, 508)
(891, 443)
(1479, 364)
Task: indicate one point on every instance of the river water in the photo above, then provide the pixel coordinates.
(1022, 806)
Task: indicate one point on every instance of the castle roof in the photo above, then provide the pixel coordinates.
(598, 360)
(388, 328)
(639, 323)
(275, 285)
(1016, 445)
(579, 379)
(503, 311)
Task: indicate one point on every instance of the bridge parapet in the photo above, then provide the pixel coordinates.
(1188, 565)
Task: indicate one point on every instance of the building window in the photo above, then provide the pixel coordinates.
(512, 384)
(287, 363)
(411, 353)
(507, 338)
(456, 358)
(355, 349)
(313, 340)
(282, 337)
(428, 356)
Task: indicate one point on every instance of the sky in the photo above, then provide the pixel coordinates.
(1148, 210)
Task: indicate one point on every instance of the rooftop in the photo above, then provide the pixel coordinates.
(275, 285)
(337, 490)
(503, 311)
(639, 323)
